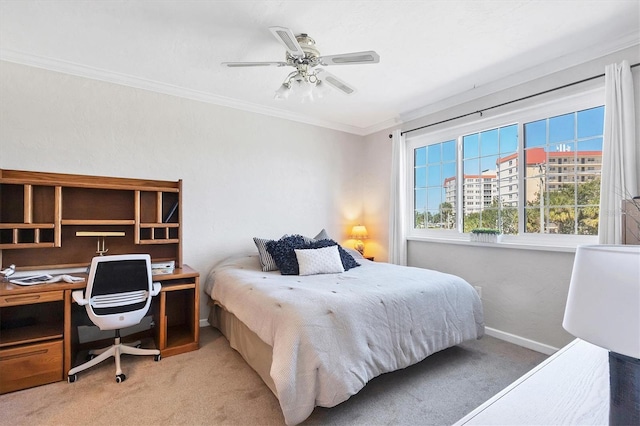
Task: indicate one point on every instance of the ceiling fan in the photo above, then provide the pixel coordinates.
(302, 54)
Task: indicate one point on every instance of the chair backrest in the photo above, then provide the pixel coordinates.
(119, 290)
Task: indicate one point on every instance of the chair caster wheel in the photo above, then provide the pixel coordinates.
(72, 378)
(120, 378)
(157, 358)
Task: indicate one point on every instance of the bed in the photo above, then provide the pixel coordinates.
(315, 340)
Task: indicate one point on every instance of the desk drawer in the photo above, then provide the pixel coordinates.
(30, 365)
(29, 298)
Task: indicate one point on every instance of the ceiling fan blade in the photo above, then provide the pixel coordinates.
(335, 82)
(367, 57)
(288, 40)
(253, 64)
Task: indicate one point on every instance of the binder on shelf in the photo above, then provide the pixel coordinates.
(172, 211)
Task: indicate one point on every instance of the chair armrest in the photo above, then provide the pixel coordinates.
(156, 289)
(78, 297)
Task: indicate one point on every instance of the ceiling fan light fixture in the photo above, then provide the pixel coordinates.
(283, 91)
(302, 55)
(322, 89)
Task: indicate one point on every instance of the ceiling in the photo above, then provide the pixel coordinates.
(429, 50)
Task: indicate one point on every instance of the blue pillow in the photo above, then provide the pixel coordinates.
(283, 253)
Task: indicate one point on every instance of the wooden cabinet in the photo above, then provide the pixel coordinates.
(55, 221)
(43, 217)
(177, 312)
(31, 339)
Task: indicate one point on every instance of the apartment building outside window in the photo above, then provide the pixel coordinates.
(524, 177)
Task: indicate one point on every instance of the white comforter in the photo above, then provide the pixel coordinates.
(333, 333)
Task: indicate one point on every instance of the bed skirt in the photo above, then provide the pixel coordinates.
(254, 351)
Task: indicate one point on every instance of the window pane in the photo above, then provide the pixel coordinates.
(470, 146)
(433, 154)
(448, 170)
(490, 163)
(508, 140)
(420, 199)
(509, 217)
(435, 178)
(489, 142)
(420, 177)
(561, 220)
(449, 151)
(472, 167)
(561, 128)
(588, 219)
(533, 190)
(590, 122)
(594, 144)
(420, 156)
(535, 134)
(434, 198)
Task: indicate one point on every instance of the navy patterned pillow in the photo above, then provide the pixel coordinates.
(283, 253)
(348, 262)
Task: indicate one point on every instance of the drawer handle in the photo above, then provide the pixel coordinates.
(26, 354)
(22, 298)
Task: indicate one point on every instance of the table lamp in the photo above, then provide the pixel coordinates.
(359, 233)
(603, 308)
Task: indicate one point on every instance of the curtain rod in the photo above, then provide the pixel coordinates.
(507, 103)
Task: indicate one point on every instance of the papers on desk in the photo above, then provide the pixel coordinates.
(45, 279)
(163, 268)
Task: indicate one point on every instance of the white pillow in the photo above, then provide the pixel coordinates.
(325, 260)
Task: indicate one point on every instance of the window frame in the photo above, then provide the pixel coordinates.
(553, 106)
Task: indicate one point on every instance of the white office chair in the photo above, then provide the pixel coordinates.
(118, 295)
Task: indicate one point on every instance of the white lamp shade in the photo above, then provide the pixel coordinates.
(603, 305)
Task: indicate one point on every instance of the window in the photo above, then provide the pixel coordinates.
(504, 176)
(486, 156)
(435, 187)
(571, 207)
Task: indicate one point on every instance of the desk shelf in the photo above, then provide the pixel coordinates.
(41, 214)
(31, 334)
(177, 315)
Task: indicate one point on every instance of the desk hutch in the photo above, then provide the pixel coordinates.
(44, 222)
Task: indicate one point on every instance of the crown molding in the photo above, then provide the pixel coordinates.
(540, 71)
(79, 70)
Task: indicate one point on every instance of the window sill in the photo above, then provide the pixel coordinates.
(513, 242)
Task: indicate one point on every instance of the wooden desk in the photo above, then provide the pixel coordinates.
(38, 341)
(569, 388)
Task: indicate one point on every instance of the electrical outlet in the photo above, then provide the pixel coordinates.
(478, 290)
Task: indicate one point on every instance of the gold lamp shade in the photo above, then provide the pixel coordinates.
(359, 233)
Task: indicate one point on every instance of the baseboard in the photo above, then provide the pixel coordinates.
(520, 341)
(204, 322)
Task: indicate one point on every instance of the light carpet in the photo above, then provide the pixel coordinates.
(214, 386)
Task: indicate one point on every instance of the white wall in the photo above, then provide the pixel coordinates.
(524, 291)
(244, 174)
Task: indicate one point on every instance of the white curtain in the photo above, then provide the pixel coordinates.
(397, 209)
(620, 151)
